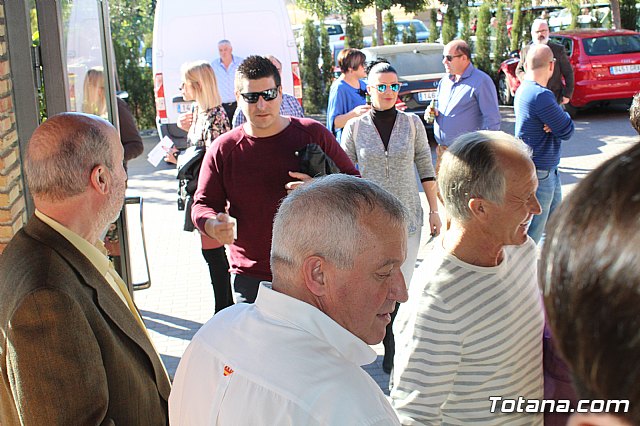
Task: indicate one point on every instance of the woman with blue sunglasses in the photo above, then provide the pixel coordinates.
(387, 145)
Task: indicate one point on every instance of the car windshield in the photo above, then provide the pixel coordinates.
(417, 25)
(612, 45)
(333, 29)
(416, 62)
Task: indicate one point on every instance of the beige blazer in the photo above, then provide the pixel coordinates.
(71, 353)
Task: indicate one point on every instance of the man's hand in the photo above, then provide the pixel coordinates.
(185, 120)
(297, 175)
(427, 113)
(220, 228)
(434, 224)
(565, 100)
(546, 128)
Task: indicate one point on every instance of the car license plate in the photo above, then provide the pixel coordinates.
(183, 107)
(426, 96)
(625, 69)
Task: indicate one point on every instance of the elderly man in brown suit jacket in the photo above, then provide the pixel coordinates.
(73, 348)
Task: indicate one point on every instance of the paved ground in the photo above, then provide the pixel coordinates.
(180, 299)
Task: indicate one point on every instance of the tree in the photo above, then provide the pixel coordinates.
(327, 64)
(390, 29)
(409, 36)
(502, 38)
(433, 26)
(449, 25)
(574, 8)
(615, 13)
(131, 24)
(311, 75)
(353, 37)
(628, 14)
(465, 20)
(516, 27)
(482, 60)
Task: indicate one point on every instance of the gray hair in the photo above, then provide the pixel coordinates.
(224, 41)
(63, 151)
(471, 168)
(324, 218)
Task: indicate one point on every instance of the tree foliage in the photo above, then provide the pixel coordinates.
(327, 64)
(409, 35)
(311, 74)
(465, 19)
(516, 27)
(434, 33)
(449, 25)
(482, 59)
(502, 38)
(390, 29)
(131, 24)
(353, 37)
(628, 14)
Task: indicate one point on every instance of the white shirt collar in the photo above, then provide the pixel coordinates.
(315, 322)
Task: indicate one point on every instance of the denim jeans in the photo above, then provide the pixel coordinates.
(549, 195)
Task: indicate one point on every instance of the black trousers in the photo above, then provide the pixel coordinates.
(230, 109)
(389, 342)
(220, 279)
(245, 288)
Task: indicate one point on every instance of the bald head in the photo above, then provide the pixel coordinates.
(459, 47)
(539, 56)
(62, 152)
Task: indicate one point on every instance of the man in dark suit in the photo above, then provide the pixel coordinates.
(562, 80)
(73, 348)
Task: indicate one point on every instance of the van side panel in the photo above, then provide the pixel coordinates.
(189, 30)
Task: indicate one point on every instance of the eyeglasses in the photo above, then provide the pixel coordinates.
(267, 95)
(449, 58)
(395, 87)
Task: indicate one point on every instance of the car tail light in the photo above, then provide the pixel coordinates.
(297, 82)
(341, 37)
(161, 105)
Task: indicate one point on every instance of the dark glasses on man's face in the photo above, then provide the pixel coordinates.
(449, 58)
(267, 95)
(395, 87)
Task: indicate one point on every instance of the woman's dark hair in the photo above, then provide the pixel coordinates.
(350, 59)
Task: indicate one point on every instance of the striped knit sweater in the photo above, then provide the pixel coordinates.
(468, 333)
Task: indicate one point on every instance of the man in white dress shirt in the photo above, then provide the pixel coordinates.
(295, 356)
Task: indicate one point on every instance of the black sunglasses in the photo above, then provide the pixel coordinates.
(267, 95)
(395, 87)
(450, 57)
(362, 93)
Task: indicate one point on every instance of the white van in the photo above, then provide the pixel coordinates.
(189, 30)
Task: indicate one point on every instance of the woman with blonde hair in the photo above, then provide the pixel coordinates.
(206, 121)
(94, 102)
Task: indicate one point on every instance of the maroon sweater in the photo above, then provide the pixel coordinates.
(250, 174)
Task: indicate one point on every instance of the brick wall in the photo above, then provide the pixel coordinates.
(12, 204)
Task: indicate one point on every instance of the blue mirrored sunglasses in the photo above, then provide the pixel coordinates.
(395, 87)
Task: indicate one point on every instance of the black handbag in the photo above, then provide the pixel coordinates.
(189, 163)
(314, 162)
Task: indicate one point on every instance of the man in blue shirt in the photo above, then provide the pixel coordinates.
(467, 98)
(225, 70)
(542, 124)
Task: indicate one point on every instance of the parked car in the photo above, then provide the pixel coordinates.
(419, 67)
(606, 65)
(422, 32)
(335, 29)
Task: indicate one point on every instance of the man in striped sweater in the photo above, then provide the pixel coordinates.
(542, 124)
(469, 340)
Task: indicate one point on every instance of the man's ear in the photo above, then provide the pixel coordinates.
(98, 179)
(596, 419)
(314, 272)
(478, 208)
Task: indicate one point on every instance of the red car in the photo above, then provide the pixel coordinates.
(606, 65)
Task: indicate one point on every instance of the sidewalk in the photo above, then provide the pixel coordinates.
(180, 299)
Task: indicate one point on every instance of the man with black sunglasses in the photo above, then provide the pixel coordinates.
(248, 171)
(466, 99)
